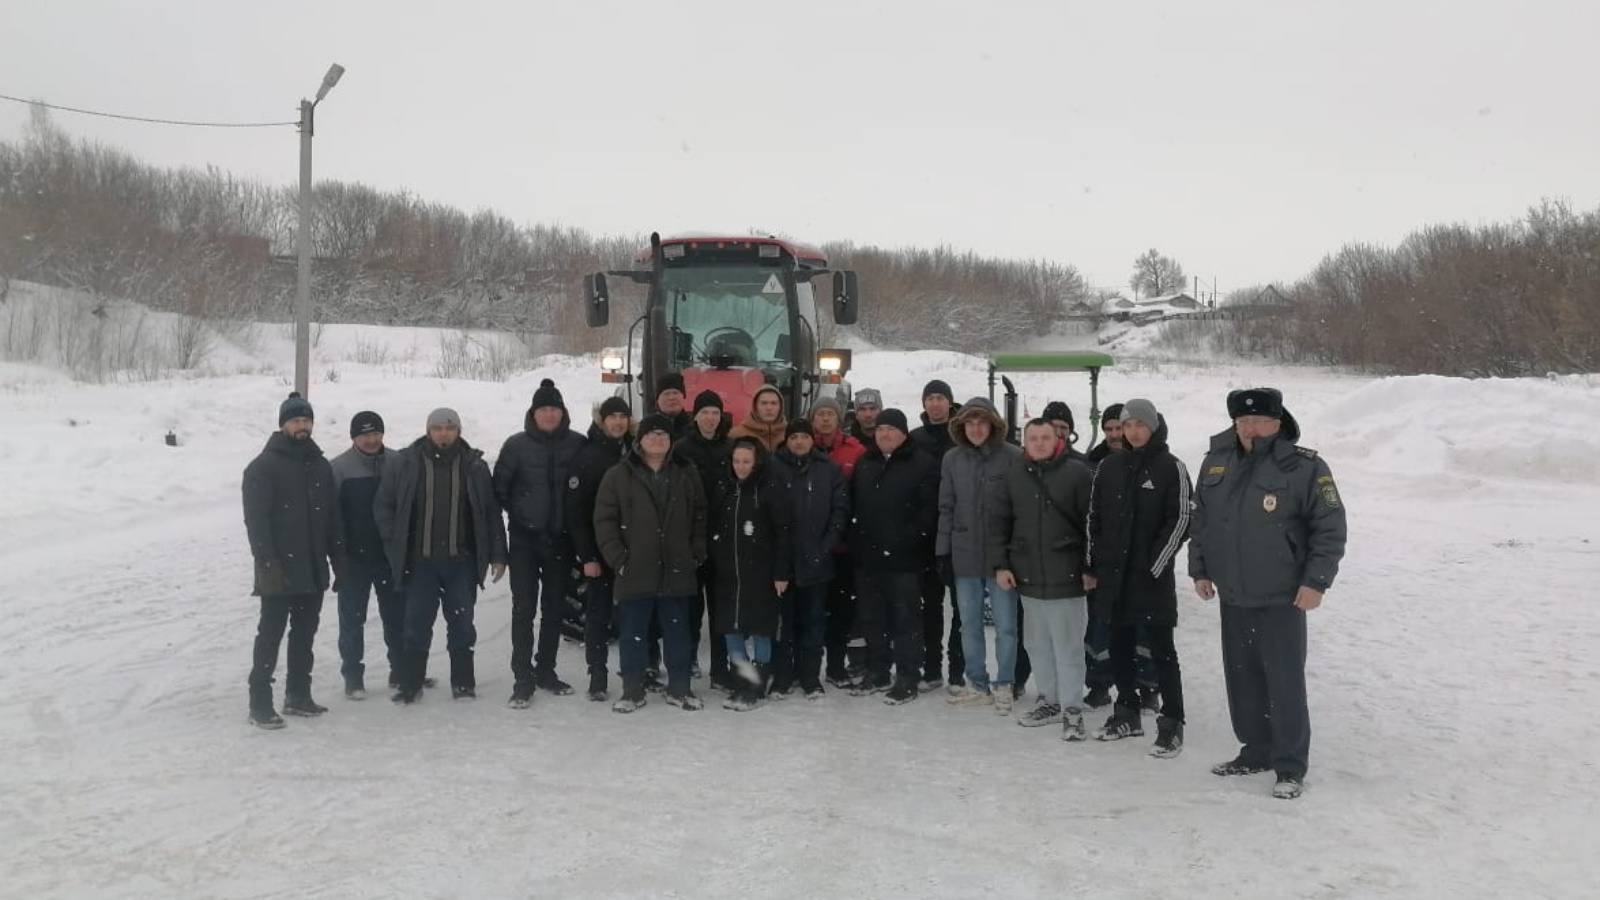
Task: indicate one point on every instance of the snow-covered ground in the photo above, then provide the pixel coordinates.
(1453, 672)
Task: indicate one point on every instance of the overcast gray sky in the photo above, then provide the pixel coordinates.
(1246, 139)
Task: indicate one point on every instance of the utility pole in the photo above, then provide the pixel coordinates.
(302, 302)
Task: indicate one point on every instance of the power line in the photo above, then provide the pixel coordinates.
(153, 121)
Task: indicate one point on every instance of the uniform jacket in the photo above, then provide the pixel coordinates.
(588, 466)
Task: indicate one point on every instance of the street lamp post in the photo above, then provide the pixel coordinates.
(302, 305)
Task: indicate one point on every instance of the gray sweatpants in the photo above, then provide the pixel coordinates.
(1264, 665)
(1054, 639)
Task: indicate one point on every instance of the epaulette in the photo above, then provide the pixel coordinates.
(1307, 452)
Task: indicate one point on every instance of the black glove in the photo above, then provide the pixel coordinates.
(945, 569)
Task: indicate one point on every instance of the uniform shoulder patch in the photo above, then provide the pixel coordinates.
(1307, 452)
(1216, 470)
(572, 483)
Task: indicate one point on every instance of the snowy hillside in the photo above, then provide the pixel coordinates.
(1452, 672)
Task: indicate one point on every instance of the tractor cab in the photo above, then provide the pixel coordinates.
(729, 315)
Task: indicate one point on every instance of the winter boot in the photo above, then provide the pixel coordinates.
(301, 704)
(870, 684)
(1169, 738)
(550, 683)
(355, 687)
(742, 699)
(1240, 765)
(521, 695)
(412, 667)
(633, 695)
(1289, 787)
(1124, 723)
(652, 680)
(1072, 726)
(463, 677)
(902, 692)
(265, 718)
(597, 688)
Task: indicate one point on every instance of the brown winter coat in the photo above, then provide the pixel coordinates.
(770, 434)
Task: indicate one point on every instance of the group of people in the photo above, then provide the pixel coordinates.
(813, 550)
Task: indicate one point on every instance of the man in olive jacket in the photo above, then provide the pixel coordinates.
(443, 533)
(1036, 539)
(650, 524)
(1268, 534)
(291, 516)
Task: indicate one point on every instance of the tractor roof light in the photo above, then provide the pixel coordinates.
(611, 363)
(830, 363)
(769, 251)
(674, 251)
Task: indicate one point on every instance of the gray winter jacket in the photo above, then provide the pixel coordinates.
(968, 477)
(1266, 522)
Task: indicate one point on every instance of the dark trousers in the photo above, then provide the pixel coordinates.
(705, 607)
(541, 568)
(356, 583)
(634, 615)
(888, 612)
(797, 652)
(933, 589)
(1024, 669)
(299, 614)
(1097, 649)
(450, 586)
(598, 609)
(841, 610)
(1264, 666)
(1163, 659)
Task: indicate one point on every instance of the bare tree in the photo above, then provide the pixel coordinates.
(1155, 275)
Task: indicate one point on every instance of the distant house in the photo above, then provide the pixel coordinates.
(1173, 301)
(1123, 303)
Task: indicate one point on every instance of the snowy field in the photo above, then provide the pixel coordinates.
(1455, 678)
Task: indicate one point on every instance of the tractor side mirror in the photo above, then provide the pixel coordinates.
(846, 303)
(597, 300)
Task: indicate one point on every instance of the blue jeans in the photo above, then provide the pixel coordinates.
(760, 647)
(969, 599)
(356, 583)
(634, 616)
(450, 585)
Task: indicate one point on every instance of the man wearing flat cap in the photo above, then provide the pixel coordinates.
(1267, 535)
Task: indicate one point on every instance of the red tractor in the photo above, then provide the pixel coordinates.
(730, 314)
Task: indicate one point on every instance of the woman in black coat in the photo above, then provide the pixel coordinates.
(752, 550)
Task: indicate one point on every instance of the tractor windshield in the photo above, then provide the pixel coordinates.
(728, 316)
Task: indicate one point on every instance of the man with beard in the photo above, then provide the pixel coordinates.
(937, 578)
(291, 517)
(1138, 518)
(897, 516)
(1269, 534)
(530, 477)
(443, 534)
(608, 443)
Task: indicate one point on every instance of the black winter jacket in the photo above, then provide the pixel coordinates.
(1037, 527)
(709, 456)
(654, 546)
(394, 510)
(819, 498)
(1138, 518)
(750, 549)
(1268, 522)
(530, 477)
(356, 476)
(291, 516)
(896, 509)
(590, 465)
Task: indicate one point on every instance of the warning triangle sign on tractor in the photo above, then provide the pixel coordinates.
(773, 286)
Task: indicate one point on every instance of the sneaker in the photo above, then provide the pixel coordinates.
(521, 696)
(598, 695)
(626, 704)
(1072, 726)
(966, 696)
(1239, 765)
(652, 681)
(1289, 787)
(1043, 713)
(550, 683)
(1003, 698)
(930, 684)
(1098, 697)
(303, 705)
(266, 719)
(954, 688)
(901, 693)
(1124, 723)
(815, 693)
(1169, 738)
(463, 692)
(685, 701)
(868, 686)
(394, 681)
